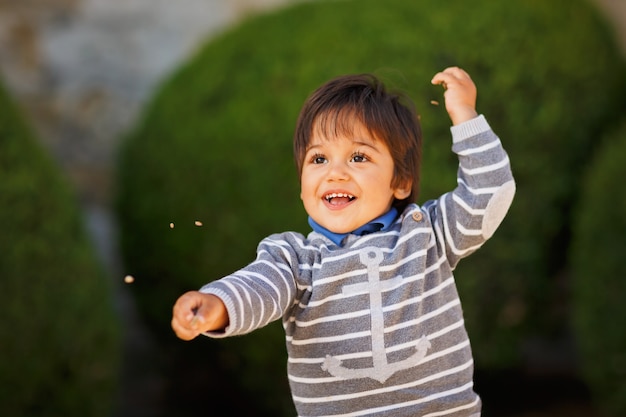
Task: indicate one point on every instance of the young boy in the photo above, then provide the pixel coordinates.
(373, 321)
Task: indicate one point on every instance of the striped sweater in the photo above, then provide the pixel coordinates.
(375, 327)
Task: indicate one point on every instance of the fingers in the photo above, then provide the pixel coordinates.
(182, 329)
(451, 76)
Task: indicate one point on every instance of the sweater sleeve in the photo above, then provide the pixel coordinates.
(469, 215)
(259, 293)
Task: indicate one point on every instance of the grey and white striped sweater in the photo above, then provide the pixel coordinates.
(375, 327)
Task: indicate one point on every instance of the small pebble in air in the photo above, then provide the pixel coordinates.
(129, 279)
(198, 223)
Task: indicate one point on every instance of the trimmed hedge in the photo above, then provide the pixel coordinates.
(598, 285)
(58, 334)
(215, 145)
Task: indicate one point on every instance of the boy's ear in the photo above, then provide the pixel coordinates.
(403, 191)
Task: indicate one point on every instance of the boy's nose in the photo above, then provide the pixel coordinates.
(338, 171)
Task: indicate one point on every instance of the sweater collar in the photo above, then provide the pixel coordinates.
(378, 224)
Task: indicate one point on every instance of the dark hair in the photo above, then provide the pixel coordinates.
(389, 117)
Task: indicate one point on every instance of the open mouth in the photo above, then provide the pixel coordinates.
(339, 198)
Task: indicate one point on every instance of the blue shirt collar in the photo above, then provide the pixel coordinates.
(380, 223)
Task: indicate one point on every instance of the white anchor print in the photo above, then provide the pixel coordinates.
(382, 370)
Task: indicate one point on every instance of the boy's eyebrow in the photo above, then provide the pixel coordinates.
(354, 141)
(368, 144)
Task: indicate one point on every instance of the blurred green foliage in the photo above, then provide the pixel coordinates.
(215, 145)
(597, 265)
(58, 334)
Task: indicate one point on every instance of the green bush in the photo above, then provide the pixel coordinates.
(598, 284)
(215, 145)
(58, 332)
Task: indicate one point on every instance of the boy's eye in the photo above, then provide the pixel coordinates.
(318, 159)
(359, 157)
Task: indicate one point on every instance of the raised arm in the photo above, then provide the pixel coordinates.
(470, 214)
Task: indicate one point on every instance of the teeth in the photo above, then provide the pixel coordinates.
(333, 195)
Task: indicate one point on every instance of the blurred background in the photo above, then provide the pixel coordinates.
(121, 117)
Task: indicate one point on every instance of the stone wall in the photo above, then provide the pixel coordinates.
(83, 69)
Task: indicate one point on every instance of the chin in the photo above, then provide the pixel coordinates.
(339, 229)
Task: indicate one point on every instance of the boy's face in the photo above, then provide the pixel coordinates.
(346, 180)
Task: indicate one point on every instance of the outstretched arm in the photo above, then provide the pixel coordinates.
(460, 94)
(195, 313)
